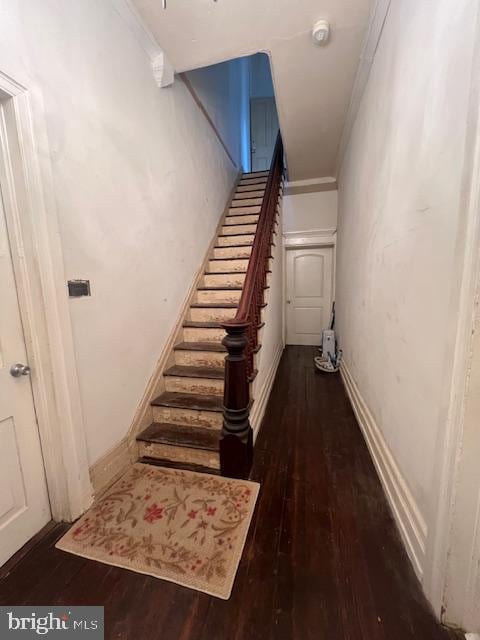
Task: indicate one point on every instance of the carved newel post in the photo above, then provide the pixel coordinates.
(236, 441)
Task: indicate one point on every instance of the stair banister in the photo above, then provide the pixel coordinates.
(241, 340)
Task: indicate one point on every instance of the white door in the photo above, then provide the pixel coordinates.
(24, 506)
(264, 130)
(308, 294)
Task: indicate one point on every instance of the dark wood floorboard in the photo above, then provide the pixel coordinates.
(323, 559)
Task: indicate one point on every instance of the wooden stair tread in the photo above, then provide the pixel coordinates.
(224, 273)
(234, 246)
(236, 205)
(246, 258)
(239, 195)
(183, 466)
(241, 214)
(232, 235)
(220, 287)
(179, 400)
(181, 435)
(240, 224)
(199, 324)
(200, 346)
(185, 371)
(254, 174)
(214, 305)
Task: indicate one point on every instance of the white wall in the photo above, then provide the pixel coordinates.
(271, 336)
(140, 182)
(261, 83)
(312, 84)
(310, 211)
(397, 251)
(219, 88)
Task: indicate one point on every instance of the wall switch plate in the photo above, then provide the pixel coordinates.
(78, 288)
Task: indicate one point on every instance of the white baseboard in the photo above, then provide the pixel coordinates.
(261, 398)
(111, 466)
(410, 521)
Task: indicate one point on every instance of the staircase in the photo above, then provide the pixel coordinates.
(188, 415)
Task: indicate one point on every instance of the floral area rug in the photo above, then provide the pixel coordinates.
(185, 527)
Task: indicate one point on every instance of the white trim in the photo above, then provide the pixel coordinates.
(261, 398)
(310, 238)
(39, 270)
(162, 69)
(472, 591)
(442, 520)
(112, 465)
(311, 182)
(411, 523)
(374, 33)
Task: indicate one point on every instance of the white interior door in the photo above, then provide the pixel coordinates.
(24, 505)
(264, 130)
(308, 294)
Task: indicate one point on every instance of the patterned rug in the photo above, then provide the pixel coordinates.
(185, 527)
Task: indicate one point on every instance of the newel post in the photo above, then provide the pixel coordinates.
(236, 441)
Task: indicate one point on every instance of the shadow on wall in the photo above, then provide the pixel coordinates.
(237, 97)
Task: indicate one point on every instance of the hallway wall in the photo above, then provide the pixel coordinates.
(219, 87)
(310, 212)
(398, 272)
(139, 184)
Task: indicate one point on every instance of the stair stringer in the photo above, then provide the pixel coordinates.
(156, 385)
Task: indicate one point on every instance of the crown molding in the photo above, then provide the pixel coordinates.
(162, 70)
(310, 182)
(314, 185)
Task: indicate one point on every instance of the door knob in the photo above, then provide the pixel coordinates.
(18, 370)
(289, 301)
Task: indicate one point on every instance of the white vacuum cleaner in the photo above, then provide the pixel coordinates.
(330, 355)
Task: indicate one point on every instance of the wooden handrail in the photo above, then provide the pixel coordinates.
(241, 340)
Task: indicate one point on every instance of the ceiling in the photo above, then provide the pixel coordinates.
(312, 84)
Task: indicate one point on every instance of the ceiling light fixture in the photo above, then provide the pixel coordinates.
(321, 32)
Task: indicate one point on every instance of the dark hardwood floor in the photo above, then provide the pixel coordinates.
(323, 558)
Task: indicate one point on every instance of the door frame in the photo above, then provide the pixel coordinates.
(251, 101)
(315, 239)
(33, 230)
(441, 543)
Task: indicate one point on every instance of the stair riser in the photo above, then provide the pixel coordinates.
(217, 296)
(247, 209)
(247, 191)
(250, 181)
(243, 219)
(231, 266)
(203, 335)
(232, 252)
(199, 358)
(223, 241)
(257, 174)
(193, 417)
(241, 229)
(179, 454)
(223, 280)
(247, 202)
(198, 386)
(210, 315)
